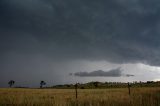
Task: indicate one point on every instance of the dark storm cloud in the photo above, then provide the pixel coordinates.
(118, 31)
(100, 73)
(129, 75)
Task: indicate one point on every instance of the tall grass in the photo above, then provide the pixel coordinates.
(86, 97)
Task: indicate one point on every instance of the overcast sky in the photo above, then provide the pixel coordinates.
(48, 39)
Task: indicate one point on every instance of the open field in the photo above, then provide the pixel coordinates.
(86, 97)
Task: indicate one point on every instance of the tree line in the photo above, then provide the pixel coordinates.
(96, 84)
(12, 82)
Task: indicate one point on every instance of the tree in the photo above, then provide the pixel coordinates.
(95, 84)
(11, 83)
(42, 83)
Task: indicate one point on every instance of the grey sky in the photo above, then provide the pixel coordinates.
(47, 39)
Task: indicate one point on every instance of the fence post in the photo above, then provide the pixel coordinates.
(76, 86)
(129, 91)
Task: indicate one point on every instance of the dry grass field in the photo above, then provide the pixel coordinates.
(86, 97)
